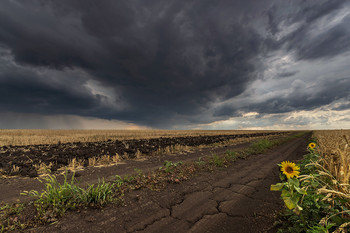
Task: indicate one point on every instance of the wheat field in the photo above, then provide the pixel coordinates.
(37, 137)
(333, 147)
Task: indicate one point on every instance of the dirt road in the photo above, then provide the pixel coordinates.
(235, 199)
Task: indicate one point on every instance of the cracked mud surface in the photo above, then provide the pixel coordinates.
(234, 199)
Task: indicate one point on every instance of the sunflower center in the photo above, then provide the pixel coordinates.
(289, 170)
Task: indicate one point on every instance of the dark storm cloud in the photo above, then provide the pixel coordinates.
(168, 57)
(306, 40)
(167, 60)
(24, 91)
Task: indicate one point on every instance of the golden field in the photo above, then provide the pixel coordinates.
(333, 146)
(37, 137)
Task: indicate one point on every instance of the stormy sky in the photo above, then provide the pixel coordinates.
(175, 64)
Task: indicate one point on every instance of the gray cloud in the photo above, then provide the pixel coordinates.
(287, 74)
(308, 39)
(296, 98)
(166, 62)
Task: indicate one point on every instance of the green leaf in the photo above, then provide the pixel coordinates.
(301, 191)
(294, 182)
(277, 187)
(289, 202)
(285, 193)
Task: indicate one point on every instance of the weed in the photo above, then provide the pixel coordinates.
(261, 146)
(169, 166)
(9, 216)
(200, 161)
(119, 181)
(57, 198)
(231, 155)
(217, 160)
(100, 194)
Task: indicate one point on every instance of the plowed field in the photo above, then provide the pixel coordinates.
(20, 160)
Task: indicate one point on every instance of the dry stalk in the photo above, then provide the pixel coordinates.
(15, 169)
(92, 161)
(116, 158)
(43, 169)
(138, 154)
(76, 164)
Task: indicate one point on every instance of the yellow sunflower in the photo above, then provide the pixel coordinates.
(312, 145)
(289, 169)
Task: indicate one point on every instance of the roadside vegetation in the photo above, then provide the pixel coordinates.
(55, 199)
(316, 192)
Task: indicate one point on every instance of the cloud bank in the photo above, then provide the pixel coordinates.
(174, 64)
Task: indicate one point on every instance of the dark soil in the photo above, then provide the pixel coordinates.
(12, 187)
(24, 157)
(234, 199)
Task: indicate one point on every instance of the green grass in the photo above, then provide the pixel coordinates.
(261, 146)
(58, 198)
(217, 161)
(100, 194)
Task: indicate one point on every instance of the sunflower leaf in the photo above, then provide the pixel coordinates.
(277, 187)
(294, 182)
(285, 193)
(301, 191)
(289, 202)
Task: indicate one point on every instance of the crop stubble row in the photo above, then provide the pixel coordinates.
(61, 154)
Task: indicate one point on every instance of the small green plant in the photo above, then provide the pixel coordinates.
(231, 155)
(9, 216)
(119, 181)
(100, 194)
(217, 160)
(57, 198)
(200, 161)
(138, 171)
(261, 146)
(169, 166)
